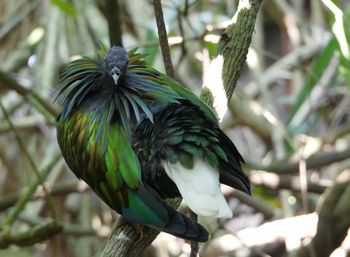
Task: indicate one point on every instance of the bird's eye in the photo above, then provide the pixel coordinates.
(116, 71)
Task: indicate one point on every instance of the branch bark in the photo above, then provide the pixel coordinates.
(233, 47)
(163, 38)
(315, 161)
(111, 10)
(223, 72)
(36, 100)
(333, 224)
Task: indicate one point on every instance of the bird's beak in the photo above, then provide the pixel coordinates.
(115, 72)
(115, 78)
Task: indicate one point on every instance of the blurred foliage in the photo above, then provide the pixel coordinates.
(291, 118)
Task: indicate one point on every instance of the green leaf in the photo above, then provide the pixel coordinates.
(151, 51)
(319, 66)
(212, 48)
(65, 6)
(345, 59)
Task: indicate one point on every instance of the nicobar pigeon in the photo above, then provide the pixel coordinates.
(137, 137)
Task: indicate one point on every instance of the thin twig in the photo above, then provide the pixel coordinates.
(36, 100)
(32, 236)
(56, 189)
(25, 151)
(18, 207)
(315, 161)
(163, 38)
(18, 17)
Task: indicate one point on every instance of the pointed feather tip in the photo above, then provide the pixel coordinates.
(181, 226)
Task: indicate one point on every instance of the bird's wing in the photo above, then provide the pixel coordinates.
(195, 154)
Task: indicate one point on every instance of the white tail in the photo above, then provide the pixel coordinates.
(200, 188)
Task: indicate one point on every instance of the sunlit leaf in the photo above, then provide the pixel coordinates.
(311, 79)
(151, 51)
(65, 6)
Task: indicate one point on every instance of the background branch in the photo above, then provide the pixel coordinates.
(333, 224)
(112, 11)
(163, 38)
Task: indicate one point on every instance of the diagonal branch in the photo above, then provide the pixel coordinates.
(333, 224)
(223, 72)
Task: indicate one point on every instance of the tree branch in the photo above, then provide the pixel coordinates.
(34, 235)
(18, 207)
(112, 12)
(56, 189)
(223, 72)
(163, 38)
(36, 100)
(315, 161)
(333, 223)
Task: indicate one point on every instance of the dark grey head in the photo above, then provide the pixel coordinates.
(117, 62)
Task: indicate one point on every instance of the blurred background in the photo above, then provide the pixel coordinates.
(289, 117)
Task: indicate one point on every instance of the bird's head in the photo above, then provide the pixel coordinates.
(116, 62)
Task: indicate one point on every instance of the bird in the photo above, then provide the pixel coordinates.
(138, 137)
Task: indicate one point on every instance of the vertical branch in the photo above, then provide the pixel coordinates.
(163, 38)
(235, 42)
(223, 72)
(111, 10)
